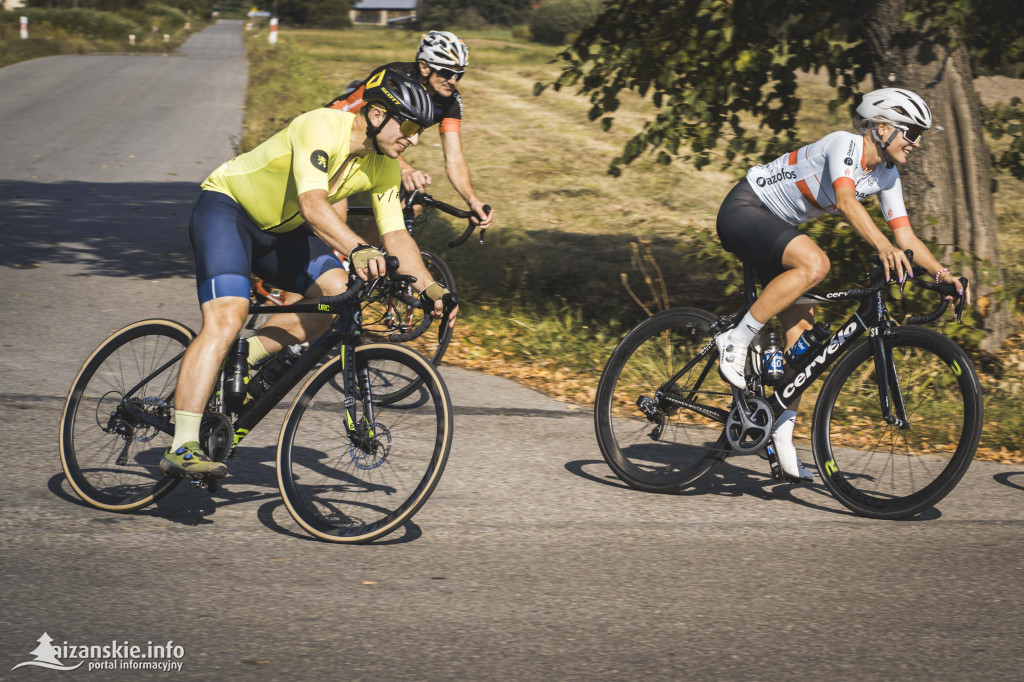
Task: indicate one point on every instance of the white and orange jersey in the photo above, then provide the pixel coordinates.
(801, 185)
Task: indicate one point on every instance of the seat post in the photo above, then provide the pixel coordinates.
(749, 288)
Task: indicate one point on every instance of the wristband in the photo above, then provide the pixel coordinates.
(938, 274)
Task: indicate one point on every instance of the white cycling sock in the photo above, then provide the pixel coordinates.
(745, 331)
(186, 428)
(782, 436)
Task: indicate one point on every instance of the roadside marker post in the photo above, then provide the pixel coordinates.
(24, 28)
(273, 31)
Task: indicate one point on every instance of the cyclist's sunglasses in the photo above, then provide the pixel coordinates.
(911, 133)
(447, 74)
(409, 128)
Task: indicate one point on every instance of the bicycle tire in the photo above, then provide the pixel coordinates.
(882, 471)
(339, 492)
(691, 445)
(90, 448)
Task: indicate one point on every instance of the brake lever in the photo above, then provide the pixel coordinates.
(483, 231)
(958, 307)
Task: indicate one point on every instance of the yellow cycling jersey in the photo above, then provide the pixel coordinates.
(311, 153)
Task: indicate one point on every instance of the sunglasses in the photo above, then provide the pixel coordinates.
(911, 133)
(409, 128)
(447, 74)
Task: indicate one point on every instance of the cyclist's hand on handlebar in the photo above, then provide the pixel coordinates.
(894, 260)
(950, 278)
(414, 180)
(368, 262)
(482, 218)
(436, 292)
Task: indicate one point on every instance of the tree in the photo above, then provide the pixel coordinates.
(704, 63)
(445, 14)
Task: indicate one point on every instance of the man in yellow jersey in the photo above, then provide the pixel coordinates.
(269, 211)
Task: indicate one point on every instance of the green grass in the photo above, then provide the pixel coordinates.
(544, 299)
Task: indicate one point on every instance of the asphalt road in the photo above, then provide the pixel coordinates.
(530, 562)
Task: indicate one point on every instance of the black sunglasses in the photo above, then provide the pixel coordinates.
(448, 74)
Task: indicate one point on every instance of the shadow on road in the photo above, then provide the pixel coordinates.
(114, 229)
(1005, 477)
(733, 481)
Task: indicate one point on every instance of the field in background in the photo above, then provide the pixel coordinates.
(549, 295)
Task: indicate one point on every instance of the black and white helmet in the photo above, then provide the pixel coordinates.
(896, 105)
(441, 48)
(400, 96)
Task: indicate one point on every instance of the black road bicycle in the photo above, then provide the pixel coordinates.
(351, 466)
(895, 426)
(386, 315)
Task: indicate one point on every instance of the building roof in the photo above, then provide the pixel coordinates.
(385, 4)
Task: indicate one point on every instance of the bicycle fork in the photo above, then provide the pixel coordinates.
(890, 397)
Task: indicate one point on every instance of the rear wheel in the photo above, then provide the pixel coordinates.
(888, 471)
(649, 442)
(116, 421)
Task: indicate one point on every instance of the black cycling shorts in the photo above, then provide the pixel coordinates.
(749, 229)
(228, 246)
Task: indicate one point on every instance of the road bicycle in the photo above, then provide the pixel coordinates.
(895, 425)
(387, 315)
(351, 466)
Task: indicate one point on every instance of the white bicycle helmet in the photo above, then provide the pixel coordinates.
(441, 48)
(896, 105)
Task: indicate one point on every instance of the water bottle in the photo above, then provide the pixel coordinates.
(801, 352)
(773, 357)
(273, 369)
(236, 374)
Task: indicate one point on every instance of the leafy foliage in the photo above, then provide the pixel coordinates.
(315, 13)
(555, 20)
(710, 65)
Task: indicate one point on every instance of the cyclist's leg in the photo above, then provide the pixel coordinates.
(298, 261)
(794, 320)
(220, 233)
(749, 229)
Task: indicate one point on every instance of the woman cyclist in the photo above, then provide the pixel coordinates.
(758, 222)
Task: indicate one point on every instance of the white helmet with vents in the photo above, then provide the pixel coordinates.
(441, 48)
(896, 105)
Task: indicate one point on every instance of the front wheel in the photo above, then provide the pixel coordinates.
(356, 485)
(888, 471)
(116, 421)
(647, 439)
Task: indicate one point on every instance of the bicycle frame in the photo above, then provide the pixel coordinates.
(871, 316)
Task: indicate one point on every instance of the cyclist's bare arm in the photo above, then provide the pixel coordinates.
(326, 224)
(892, 257)
(401, 244)
(412, 179)
(458, 174)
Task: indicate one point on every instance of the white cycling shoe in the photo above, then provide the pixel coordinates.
(732, 360)
(790, 463)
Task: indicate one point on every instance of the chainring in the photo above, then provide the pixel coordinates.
(217, 436)
(749, 425)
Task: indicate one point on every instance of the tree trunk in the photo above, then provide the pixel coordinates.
(948, 182)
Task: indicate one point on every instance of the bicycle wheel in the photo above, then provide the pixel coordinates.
(341, 491)
(109, 448)
(390, 315)
(689, 445)
(887, 472)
